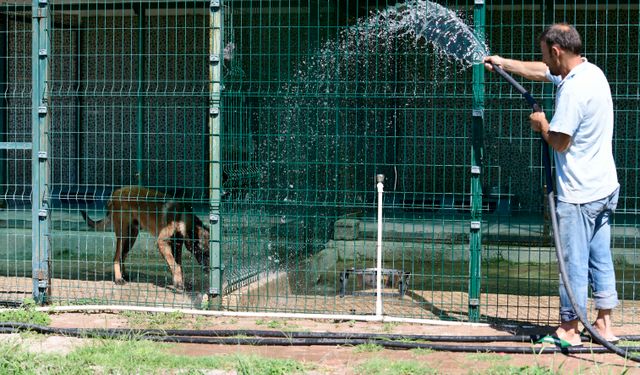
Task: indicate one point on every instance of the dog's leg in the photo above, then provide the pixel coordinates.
(176, 249)
(117, 265)
(120, 239)
(130, 239)
(126, 234)
(164, 246)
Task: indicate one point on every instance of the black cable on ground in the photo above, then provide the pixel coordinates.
(265, 333)
(554, 224)
(115, 332)
(279, 338)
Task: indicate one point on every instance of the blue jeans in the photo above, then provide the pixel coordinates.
(585, 236)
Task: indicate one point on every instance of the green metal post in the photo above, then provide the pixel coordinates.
(40, 213)
(547, 102)
(4, 103)
(475, 240)
(140, 10)
(215, 166)
(77, 178)
(548, 8)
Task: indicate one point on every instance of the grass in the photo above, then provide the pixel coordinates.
(422, 351)
(138, 357)
(172, 320)
(277, 324)
(109, 356)
(389, 327)
(25, 314)
(488, 357)
(381, 366)
(499, 365)
(368, 348)
(522, 370)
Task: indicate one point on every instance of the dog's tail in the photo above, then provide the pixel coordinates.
(99, 225)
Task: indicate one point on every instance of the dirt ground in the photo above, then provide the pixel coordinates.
(345, 359)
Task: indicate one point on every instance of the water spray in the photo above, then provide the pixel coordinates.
(546, 161)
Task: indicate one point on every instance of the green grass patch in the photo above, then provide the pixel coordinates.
(499, 366)
(488, 357)
(135, 357)
(368, 348)
(277, 324)
(88, 301)
(172, 320)
(26, 313)
(389, 327)
(16, 360)
(380, 366)
(422, 351)
(259, 365)
(516, 370)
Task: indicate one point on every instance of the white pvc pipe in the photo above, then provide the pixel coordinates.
(168, 310)
(380, 179)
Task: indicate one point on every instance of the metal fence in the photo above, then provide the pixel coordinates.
(269, 121)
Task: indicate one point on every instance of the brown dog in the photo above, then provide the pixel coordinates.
(132, 208)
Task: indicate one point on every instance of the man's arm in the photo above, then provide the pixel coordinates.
(533, 70)
(559, 141)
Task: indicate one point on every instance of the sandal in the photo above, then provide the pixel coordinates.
(557, 341)
(612, 340)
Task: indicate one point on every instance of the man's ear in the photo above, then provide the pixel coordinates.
(555, 50)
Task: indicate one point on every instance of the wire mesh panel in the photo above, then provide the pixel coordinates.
(15, 153)
(324, 96)
(129, 93)
(520, 268)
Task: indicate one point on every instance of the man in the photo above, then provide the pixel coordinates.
(580, 133)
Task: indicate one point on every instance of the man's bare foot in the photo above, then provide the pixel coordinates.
(569, 333)
(604, 326)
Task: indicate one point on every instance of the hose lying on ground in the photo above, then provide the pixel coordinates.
(282, 338)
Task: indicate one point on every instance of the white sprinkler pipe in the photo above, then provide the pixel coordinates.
(247, 314)
(380, 185)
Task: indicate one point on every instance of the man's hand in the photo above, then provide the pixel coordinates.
(539, 123)
(534, 70)
(495, 60)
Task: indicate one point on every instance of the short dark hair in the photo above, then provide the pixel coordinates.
(564, 35)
